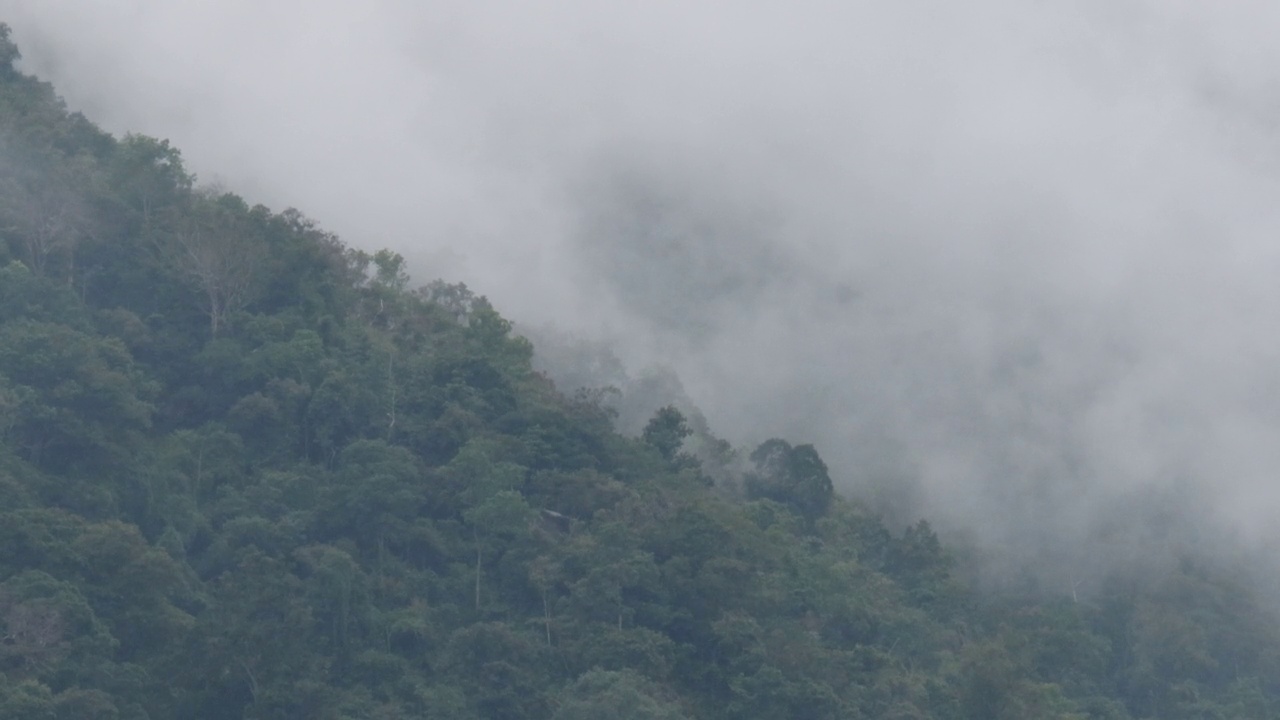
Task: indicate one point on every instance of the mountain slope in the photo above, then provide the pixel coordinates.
(247, 471)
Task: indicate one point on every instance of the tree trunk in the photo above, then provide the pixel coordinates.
(476, 535)
(546, 616)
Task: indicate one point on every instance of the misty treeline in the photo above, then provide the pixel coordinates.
(248, 472)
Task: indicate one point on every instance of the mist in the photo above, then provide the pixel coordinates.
(1010, 266)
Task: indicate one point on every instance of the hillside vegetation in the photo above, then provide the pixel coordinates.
(249, 472)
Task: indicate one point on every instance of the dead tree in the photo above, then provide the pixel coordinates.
(215, 246)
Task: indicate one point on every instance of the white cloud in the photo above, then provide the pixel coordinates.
(1026, 252)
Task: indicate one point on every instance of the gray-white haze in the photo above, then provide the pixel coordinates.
(1022, 255)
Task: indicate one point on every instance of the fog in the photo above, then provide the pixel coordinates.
(1011, 266)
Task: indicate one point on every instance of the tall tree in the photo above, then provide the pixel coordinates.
(215, 245)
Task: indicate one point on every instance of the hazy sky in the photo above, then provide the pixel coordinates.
(1027, 254)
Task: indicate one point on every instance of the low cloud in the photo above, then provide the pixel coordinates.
(1012, 264)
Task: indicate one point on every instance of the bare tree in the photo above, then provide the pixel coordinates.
(49, 213)
(214, 246)
(33, 635)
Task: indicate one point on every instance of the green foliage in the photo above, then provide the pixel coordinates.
(666, 432)
(79, 398)
(623, 695)
(792, 475)
(247, 472)
(9, 53)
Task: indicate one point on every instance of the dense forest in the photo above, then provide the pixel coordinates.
(249, 472)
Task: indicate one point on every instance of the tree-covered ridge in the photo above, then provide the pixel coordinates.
(248, 472)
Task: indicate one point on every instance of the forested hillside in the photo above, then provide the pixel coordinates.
(249, 472)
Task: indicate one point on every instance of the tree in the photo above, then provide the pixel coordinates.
(503, 671)
(34, 635)
(377, 489)
(252, 646)
(918, 562)
(148, 174)
(26, 700)
(214, 245)
(795, 476)
(48, 630)
(493, 507)
(77, 394)
(9, 53)
(339, 595)
(666, 432)
(622, 695)
(47, 206)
